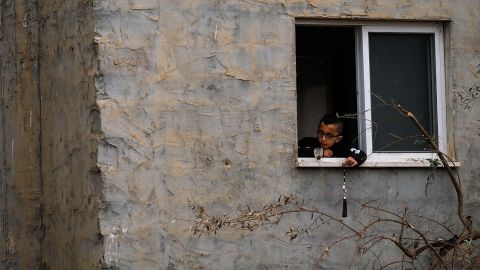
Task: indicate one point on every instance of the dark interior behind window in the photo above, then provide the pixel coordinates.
(326, 78)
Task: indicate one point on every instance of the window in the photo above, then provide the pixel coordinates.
(354, 69)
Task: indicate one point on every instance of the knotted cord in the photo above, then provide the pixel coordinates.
(344, 210)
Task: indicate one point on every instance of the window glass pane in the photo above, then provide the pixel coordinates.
(401, 70)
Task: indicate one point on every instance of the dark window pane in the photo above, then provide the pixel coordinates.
(401, 70)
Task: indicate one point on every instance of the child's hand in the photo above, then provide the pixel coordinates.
(350, 162)
(327, 153)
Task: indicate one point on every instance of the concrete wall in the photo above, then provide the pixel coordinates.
(20, 179)
(70, 131)
(198, 103)
(50, 184)
(114, 115)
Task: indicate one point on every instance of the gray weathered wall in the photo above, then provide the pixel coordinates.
(115, 114)
(198, 103)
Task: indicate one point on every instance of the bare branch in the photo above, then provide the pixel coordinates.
(445, 163)
(411, 241)
(404, 220)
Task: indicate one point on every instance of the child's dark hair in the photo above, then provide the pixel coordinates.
(332, 119)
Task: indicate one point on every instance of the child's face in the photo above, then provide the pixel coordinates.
(328, 135)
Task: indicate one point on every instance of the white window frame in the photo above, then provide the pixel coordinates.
(411, 159)
(364, 90)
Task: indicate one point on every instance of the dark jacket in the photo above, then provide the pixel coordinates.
(307, 144)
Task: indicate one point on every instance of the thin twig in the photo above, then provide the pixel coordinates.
(404, 220)
(454, 180)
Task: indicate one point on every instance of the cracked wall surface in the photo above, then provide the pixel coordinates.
(198, 104)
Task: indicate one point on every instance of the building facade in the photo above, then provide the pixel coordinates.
(117, 116)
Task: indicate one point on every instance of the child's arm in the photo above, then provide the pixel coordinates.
(354, 158)
(350, 162)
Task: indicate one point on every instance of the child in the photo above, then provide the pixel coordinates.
(329, 137)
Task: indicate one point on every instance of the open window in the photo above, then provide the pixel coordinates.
(354, 70)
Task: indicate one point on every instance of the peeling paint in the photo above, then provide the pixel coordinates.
(111, 247)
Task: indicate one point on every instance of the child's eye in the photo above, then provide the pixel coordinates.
(327, 135)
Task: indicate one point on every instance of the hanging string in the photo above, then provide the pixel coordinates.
(344, 211)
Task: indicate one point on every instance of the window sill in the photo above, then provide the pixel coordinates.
(337, 163)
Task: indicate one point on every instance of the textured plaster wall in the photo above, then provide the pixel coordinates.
(465, 72)
(197, 102)
(70, 130)
(115, 114)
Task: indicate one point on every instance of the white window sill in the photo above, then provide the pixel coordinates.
(369, 163)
